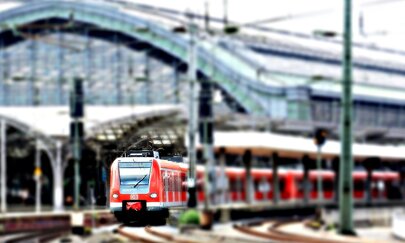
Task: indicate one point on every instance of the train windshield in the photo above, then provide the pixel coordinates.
(134, 177)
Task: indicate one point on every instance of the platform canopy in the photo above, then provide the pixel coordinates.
(53, 121)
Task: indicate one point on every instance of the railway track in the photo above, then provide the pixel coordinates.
(253, 232)
(43, 236)
(152, 235)
(273, 232)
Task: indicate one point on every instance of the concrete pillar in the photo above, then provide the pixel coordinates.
(276, 185)
(247, 161)
(58, 170)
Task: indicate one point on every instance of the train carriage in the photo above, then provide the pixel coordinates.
(143, 185)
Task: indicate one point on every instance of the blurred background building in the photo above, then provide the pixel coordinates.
(266, 78)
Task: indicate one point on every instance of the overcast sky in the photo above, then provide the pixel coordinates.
(383, 19)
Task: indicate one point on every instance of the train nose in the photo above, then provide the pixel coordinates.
(136, 206)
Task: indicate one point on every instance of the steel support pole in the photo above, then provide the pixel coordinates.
(247, 161)
(34, 89)
(2, 83)
(118, 72)
(148, 90)
(37, 174)
(3, 163)
(225, 6)
(58, 179)
(368, 186)
(346, 161)
(61, 57)
(223, 178)
(305, 180)
(76, 155)
(206, 138)
(319, 167)
(176, 85)
(192, 120)
(88, 64)
(276, 189)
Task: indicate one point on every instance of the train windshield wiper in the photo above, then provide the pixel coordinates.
(140, 180)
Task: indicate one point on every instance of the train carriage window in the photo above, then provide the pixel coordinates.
(300, 185)
(200, 185)
(281, 184)
(233, 185)
(327, 185)
(256, 184)
(166, 178)
(264, 185)
(359, 185)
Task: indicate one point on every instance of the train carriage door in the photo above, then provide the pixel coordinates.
(178, 186)
(257, 194)
(239, 188)
(327, 187)
(172, 192)
(176, 198)
(166, 179)
(183, 188)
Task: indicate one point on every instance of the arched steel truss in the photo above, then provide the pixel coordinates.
(238, 81)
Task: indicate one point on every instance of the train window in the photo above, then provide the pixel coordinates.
(264, 185)
(359, 185)
(300, 185)
(233, 185)
(236, 185)
(327, 185)
(256, 185)
(281, 185)
(200, 185)
(134, 177)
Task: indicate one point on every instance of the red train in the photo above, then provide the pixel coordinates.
(142, 185)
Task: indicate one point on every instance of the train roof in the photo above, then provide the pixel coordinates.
(266, 143)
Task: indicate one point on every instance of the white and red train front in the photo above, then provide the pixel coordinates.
(145, 185)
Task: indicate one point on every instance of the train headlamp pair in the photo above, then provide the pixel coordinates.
(153, 195)
(115, 195)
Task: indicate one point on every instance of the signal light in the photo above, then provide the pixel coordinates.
(77, 99)
(320, 137)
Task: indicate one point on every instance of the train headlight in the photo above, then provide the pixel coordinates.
(115, 195)
(153, 195)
